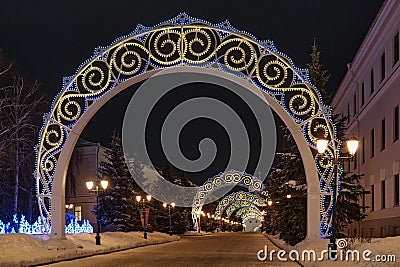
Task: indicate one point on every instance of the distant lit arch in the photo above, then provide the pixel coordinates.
(237, 197)
(238, 205)
(226, 179)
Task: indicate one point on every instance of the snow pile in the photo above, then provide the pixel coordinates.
(26, 250)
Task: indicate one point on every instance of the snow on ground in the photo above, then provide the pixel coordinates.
(26, 250)
(381, 247)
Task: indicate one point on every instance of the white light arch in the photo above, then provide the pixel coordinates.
(142, 54)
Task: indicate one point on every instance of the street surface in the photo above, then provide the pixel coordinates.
(225, 249)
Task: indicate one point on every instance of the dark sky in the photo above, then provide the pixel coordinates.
(50, 39)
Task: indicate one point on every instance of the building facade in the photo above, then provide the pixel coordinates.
(84, 166)
(369, 95)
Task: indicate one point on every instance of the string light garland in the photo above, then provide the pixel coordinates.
(185, 41)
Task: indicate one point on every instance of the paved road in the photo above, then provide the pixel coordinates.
(226, 249)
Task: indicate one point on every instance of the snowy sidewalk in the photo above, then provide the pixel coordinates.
(27, 250)
(385, 252)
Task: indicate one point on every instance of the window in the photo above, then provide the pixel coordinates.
(396, 124)
(354, 105)
(383, 134)
(363, 202)
(395, 49)
(78, 213)
(363, 150)
(371, 78)
(362, 94)
(396, 190)
(383, 195)
(355, 161)
(383, 70)
(372, 144)
(348, 166)
(372, 197)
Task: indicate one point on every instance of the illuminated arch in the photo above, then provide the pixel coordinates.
(239, 197)
(230, 178)
(186, 44)
(239, 204)
(250, 212)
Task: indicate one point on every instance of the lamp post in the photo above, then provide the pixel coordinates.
(272, 215)
(263, 213)
(92, 189)
(172, 205)
(139, 199)
(322, 144)
(69, 207)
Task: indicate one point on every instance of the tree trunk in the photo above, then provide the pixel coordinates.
(16, 188)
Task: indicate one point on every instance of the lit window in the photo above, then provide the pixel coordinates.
(78, 213)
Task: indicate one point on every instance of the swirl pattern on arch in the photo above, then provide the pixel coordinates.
(187, 41)
(235, 200)
(252, 183)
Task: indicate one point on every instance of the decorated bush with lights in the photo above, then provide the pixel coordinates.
(21, 225)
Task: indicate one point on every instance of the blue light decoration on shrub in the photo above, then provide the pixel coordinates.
(37, 228)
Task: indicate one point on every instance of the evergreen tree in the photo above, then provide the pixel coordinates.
(318, 75)
(348, 208)
(117, 208)
(288, 178)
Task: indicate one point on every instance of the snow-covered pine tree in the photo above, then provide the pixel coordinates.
(318, 75)
(288, 178)
(348, 206)
(117, 208)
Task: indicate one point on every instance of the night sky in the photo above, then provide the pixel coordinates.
(50, 39)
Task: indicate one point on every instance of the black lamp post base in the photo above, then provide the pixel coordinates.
(332, 251)
(98, 239)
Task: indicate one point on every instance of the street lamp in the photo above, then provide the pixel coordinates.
(322, 145)
(143, 212)
(263, 225)
(92, 189)
(172, 205)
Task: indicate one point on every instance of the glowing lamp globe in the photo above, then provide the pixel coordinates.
(89, 185)
(352, 145)
(104, 184)
(322, 144)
